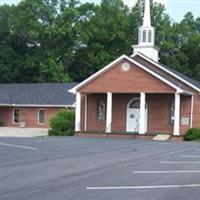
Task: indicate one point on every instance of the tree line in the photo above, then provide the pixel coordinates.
(65, 40)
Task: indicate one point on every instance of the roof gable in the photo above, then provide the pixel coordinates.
(118, 80)
(103, 70)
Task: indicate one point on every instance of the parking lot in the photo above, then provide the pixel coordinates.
(72, 168)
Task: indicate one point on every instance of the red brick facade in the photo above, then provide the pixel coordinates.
(159, 112)
(125, 86)
(135, 80)
(29, 115)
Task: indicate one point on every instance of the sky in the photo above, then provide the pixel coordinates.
(175, 8)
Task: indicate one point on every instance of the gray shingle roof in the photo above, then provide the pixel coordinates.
(37, 94)
(157, 71)
(181, 75)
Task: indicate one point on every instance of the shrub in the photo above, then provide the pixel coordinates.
(192, 134)
(62, 124)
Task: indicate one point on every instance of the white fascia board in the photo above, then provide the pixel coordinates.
(92, 77)
(35, 105)
(73, 90)
(169, 72)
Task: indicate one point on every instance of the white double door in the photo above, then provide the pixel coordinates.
(133, 119)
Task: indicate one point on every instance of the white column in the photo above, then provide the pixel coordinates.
(85, 112)
(78, 113)
(177, 115)
(109, 113)
(192, 111)
(142, 113)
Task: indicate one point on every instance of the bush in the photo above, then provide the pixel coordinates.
(192, 134)
(62, 124)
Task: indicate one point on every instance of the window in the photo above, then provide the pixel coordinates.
(144, 36)
(41, 116)
(135, 104)
(101, 111)
(149, 36)
(15, 116)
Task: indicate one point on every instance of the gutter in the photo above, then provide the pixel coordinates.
(37, 105)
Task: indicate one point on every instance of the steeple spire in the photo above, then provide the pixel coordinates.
(146, 36)
(147, 14)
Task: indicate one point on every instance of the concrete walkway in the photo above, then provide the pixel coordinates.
(22, 132)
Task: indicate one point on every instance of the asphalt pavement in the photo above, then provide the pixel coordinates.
(72, 168)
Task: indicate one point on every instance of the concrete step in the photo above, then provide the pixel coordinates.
(161, 137)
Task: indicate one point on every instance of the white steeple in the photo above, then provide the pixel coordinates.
(146, 36)
(147, 14)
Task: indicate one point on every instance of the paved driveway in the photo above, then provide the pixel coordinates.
(69, 168)
(22, 132)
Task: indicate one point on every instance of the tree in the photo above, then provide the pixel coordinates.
(103, 37)
(36, 37)
(64, 40)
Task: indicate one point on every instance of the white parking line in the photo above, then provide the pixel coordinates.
(180, 151)
(18, 146)
(180, 162)
(190, 156)
(165, 172)
(143, 187)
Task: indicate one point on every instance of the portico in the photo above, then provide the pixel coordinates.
(124, 115)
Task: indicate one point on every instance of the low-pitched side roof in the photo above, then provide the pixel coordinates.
(182, 77)
(52, 94)
(157, 71)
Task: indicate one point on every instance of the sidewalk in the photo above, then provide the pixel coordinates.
(23, 132)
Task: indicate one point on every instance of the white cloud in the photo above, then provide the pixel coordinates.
(9, 2)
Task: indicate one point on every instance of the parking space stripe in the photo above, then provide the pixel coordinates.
(179, 151)
(165, 172)
(143, 187)
(190, 156)
(180, 162)
(18, 146)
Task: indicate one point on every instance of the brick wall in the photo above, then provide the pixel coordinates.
(133, 81)
(158, 112)
(196, 113)
(29, 115)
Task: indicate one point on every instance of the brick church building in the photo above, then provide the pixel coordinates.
(138, 94)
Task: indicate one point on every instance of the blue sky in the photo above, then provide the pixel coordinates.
(175, 8)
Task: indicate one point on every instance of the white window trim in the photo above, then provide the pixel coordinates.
(38, 116)
(13, 116)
